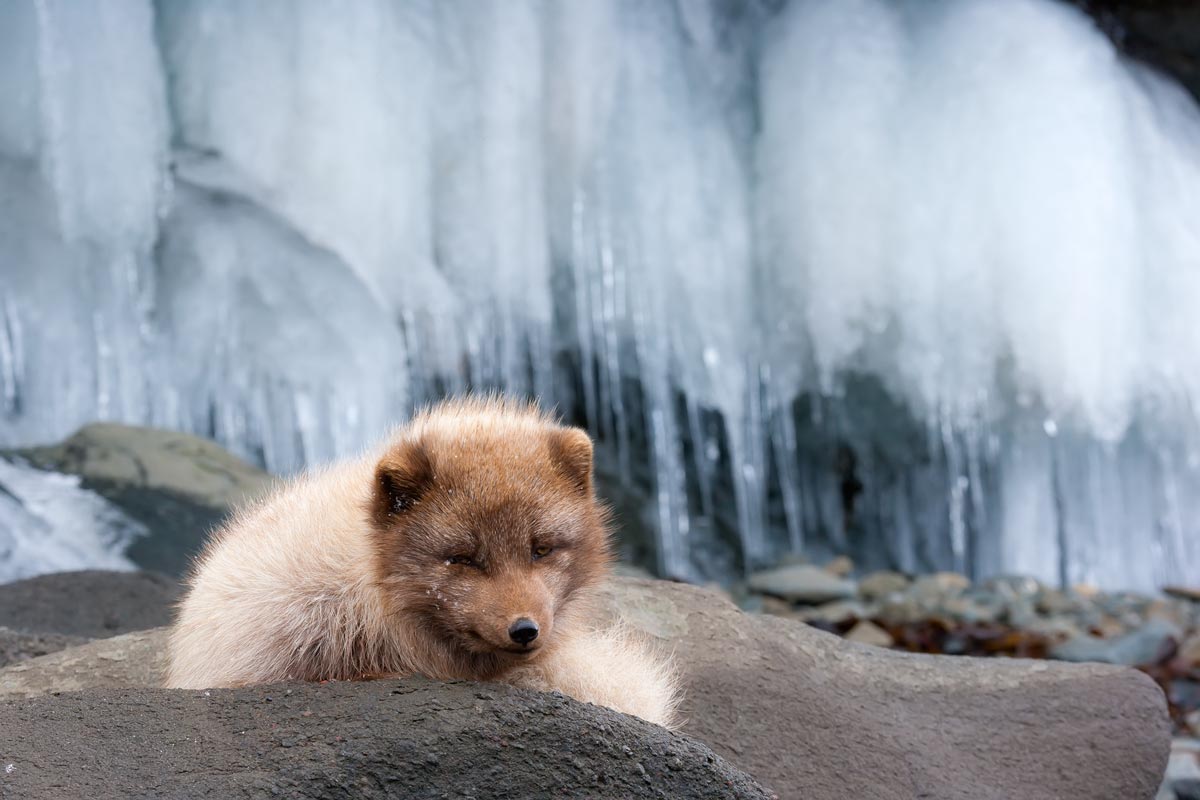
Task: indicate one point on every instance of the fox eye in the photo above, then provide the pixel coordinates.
(462, 560)
(541, 551)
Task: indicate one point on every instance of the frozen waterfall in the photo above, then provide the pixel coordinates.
(912, 281)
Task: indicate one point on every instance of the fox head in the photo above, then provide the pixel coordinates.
(486, 529)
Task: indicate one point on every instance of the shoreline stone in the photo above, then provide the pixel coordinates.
(176, 485)
(410, 738)
(814, 716)
(802, 583)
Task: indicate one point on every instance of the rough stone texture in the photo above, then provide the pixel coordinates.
(89, 603)
(132, 660)
(816, 717)
(178, 486)
(410, 739)
(18, 646)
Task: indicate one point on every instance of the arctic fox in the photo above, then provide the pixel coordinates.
(468, 546)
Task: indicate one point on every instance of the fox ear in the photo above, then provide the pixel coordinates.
(571, 451)
(401, 478)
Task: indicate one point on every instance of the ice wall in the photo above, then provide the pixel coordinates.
(913, 281)
(83, 143)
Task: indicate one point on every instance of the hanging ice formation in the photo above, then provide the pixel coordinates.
(915, 281)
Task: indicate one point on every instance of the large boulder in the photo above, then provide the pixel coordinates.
(17, 646)
(135, 659)
(384, 739)
(821, 718)
(817, 717)
(178, 486)
(88, 603)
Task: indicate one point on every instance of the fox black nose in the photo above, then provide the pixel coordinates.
(523, 631)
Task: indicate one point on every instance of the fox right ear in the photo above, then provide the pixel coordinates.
(401, 478)
(571, 450)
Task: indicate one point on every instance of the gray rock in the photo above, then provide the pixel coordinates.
(820, 718)
(939, 585)
(964, 609)
(379, 739)
(178, 486)
(1013, 586)
(1055, 601)
(1056, 628)
(1186, 789)
(159, 460)
(879, 585)
(1189, 649)
(841, 567)
(836, 612)
(867, 632)
(902, 610)
(1020, 612)
(20, 646)
(1183, 593)
(89, 603)
(802, 583)
(131, 660)
(1142, 646)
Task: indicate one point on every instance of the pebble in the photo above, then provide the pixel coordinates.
(967, 610)
(1183, 593)
(840, 567)
(1183, 769)
(1013, 585)
(879, 585)
(837, 611)
(776, 607)
(1021, 613)
(1003, 616)
(940, 584)
(867, 632)
(1186, 789)
(1109, 627)
(1053, 601)
(902, 610)
(1142, 646)
(1189, 649)
(1061, 627)
(803, 583)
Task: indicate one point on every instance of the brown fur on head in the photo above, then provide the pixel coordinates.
(485, 524)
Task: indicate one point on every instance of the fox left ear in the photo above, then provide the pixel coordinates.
(571, 450)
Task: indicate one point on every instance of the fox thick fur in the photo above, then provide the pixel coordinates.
(468, 546)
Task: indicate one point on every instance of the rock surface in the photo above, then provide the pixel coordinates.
(819, 718)
(815, 717)
(384, 739)
(16, 646)
(135, 659)
(89, 603)
(178, 486)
